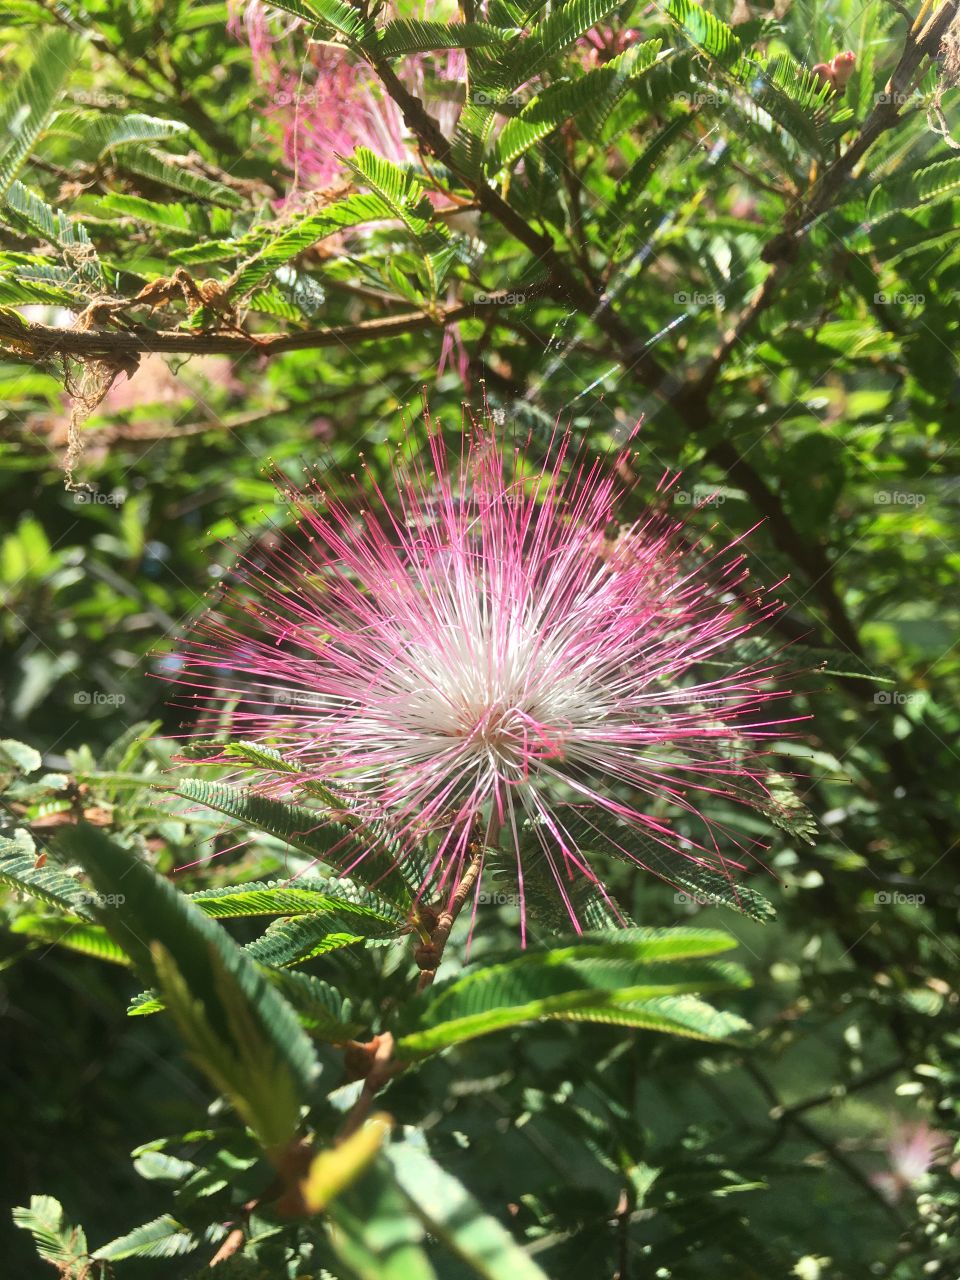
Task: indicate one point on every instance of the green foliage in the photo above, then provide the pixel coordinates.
(335, 840)
(234, 1022)
(452, 1215)
(56, 1240)
(27, 107)
(636, 972)
(630, 212)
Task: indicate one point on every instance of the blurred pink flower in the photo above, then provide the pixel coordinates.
(604, 43)
(325, 103)
(911, 1151)
(327, 118)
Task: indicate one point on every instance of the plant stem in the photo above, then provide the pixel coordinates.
(382, 1067)
(429, 956)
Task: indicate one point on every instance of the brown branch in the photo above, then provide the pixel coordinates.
(379, 1068)
(429, 955)
(43, 342)
(837, 1093)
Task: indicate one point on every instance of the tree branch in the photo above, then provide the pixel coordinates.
(42, 342)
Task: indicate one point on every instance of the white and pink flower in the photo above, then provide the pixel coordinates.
(477, 657)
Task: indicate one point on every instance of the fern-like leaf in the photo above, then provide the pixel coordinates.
(27, 107)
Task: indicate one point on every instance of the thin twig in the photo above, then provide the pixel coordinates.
(791, 1116)
(430, 954)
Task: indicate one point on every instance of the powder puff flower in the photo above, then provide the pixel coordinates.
(326, 103)
(484, 660)
(912, 1150)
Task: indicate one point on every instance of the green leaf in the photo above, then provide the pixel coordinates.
(28, 105)
(102, 133)
(55, 1239)
(900, 191)
(331, 840)
(796, 99)
(164, 1237)
(304, 896)
(335, 17)
(274, 249)
(778, 801)
(296, 940)
(634, 181)
(452, 1216)
(594, 908)
(235, 1023)
(47, 883)
(321, 1007)
(673, 1015)
(260, 757)
(77, 935)
(408, 36)
(168, 216)
(755, 650)
(18, 756)
(705, 30)
(604, 833)
(376, 1233)
(402, 195)
(566, 23)
(607, 973)
(588, 99)
(148, 163)
(26, 210)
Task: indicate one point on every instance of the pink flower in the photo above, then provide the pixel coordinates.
(605, 43)
(481, 658)
(912, 1150)
(328, 109)
(325, 121)
(250, 20)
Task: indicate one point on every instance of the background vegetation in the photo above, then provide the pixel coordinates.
(229, 237)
